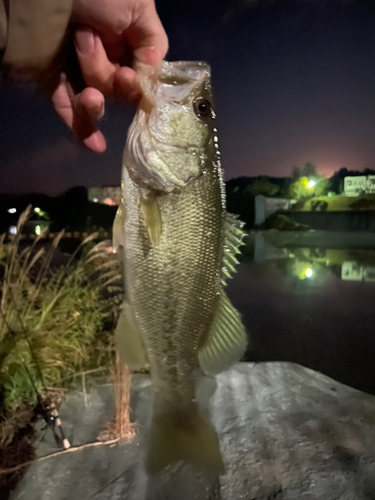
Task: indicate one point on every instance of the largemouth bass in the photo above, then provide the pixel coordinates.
(180, 247)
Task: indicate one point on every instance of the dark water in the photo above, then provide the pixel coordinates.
(310, 299)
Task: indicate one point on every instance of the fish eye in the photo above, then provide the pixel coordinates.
(202, 108)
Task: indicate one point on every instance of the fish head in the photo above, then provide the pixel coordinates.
(172, 140)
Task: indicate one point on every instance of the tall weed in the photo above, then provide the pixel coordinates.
(55, 320)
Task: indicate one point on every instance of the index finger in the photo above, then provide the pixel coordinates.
(97, 70)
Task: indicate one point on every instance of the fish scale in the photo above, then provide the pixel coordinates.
(183, 268)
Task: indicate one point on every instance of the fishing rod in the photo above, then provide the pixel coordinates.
(48, 413)
(52, 419)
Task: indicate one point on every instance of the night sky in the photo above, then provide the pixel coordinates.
(294, 81)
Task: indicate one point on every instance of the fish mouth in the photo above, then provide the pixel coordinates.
(177, 72)
(171, 80)
(183, 71)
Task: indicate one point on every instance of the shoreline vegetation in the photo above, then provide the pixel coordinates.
(58, 312)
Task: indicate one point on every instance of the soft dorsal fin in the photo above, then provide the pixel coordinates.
(152, 217)
(226, 341)
(234, 234)
(118, 228)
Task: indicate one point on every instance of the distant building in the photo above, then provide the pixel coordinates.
(361, 184)
(107, 195)
(354, 271)
(371, 184)
(264, 207)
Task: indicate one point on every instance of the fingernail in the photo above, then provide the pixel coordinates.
(94, 112)
(148, 55)
(84, 39)
(100, 111)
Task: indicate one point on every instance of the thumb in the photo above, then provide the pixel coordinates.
(147, 37)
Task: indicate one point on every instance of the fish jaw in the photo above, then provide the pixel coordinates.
(168, 139)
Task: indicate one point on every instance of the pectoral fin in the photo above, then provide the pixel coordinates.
(128, 341)
(118, 228)
(226, 341)
(152, 217)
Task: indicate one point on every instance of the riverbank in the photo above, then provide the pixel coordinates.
(340, 240)
(336, 203)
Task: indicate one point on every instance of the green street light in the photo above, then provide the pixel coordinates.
(308, 272)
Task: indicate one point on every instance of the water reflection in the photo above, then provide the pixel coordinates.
(310, 299)
(355, 265)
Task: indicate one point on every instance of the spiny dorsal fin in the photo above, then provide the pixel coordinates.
(234, 235)
(226, 341)
(118, 228)
(152, 217)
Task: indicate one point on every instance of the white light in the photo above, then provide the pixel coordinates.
(95, 200)
(311, 184)
(12, 210)
(308, 272)
(37, 230)
(12, 229)
(37, 210)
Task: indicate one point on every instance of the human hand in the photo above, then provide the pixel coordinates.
(109, 36)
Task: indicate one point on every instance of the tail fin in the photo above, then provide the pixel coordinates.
(195, 442)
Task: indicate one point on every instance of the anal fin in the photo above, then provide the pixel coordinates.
(128, 341)
(226, 341)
